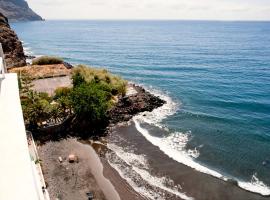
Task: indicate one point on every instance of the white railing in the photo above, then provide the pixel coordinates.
(3, 68)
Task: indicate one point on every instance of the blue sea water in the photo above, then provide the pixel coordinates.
(217, 72)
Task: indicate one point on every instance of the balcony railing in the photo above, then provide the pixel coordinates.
(3, 68)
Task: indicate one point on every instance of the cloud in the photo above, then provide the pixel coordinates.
(153, 9)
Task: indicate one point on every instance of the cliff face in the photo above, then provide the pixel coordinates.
(11, 44)
(18, 10)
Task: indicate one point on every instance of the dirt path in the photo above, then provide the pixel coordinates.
(50, 84)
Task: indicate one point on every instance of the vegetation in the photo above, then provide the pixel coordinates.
(38, 107)
(116, 83)
(47, 60)
(87, 102)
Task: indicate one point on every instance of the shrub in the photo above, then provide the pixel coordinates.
(62, 92)
(47, 60)
(90, 102)
(77, 79)
(82, 73)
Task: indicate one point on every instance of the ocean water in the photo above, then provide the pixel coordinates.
(214, 75)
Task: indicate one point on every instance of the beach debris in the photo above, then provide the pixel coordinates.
(60, 159)
(72, 158)
(90, 195)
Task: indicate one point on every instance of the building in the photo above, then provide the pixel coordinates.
(20, 173)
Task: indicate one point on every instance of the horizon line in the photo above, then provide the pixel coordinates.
(213, 20)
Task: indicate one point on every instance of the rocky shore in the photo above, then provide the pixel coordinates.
(12, 46)
(130, 105)
(93, 173)
(125, 108)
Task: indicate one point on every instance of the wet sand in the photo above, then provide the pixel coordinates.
(93, 173)
(71, 181)
(194, 184)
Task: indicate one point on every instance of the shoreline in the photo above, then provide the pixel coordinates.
(206, 185)
(125, 113)
(228, 188)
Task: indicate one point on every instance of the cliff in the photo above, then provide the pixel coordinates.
(11, 44)
(18, 10)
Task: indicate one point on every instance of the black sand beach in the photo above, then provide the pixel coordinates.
(195, 184)
(71, 181)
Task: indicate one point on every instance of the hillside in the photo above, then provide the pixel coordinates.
(18, 10)
(12, 46)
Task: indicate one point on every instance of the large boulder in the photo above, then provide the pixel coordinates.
(12, 46)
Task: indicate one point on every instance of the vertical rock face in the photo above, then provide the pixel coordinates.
(18, 10)
(11, 44)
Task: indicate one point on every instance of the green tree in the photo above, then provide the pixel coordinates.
(90, 102)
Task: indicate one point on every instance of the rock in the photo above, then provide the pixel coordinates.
(129, 106)
(12, 46)
(18, 10)
(67, 65)
(30, 57)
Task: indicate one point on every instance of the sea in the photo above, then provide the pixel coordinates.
(214, 76)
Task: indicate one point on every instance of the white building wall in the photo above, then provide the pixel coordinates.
(17, 179)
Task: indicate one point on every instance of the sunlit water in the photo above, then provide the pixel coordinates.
(217, 75)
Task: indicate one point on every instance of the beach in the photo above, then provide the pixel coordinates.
(71, 181)
(101, 171)
(194, 184)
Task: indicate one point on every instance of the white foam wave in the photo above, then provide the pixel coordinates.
(159, 182)
(174, 147)
(176, 152)
(157, 115)
(139, 164)
(255, 185)
(174, 144)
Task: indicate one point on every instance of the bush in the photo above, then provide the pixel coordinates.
(82, 73)
(89, 102)
(47, 60)
(62, 92)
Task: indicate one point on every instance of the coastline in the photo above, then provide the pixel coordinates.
(217, 181)
(193, 184)
(142, 171)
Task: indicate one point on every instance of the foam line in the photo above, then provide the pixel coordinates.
(174, 144)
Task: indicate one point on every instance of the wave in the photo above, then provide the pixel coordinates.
(158, 115)
(174, 145)
(135, 170)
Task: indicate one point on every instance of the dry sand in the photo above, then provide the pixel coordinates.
(71, 181)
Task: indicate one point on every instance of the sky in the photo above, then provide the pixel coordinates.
(153, 9)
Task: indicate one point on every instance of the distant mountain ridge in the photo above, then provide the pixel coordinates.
(18, 10)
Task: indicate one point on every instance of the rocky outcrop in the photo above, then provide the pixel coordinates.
(129, 106)
(18, 10)
(123, 111)
(11, 44)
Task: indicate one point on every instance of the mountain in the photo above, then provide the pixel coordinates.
(18, 10)
(12, 46)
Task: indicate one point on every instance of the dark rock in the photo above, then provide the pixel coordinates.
(12, 46)
(30, 57)
(18, 10)
(67, 65)
(129, 106)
